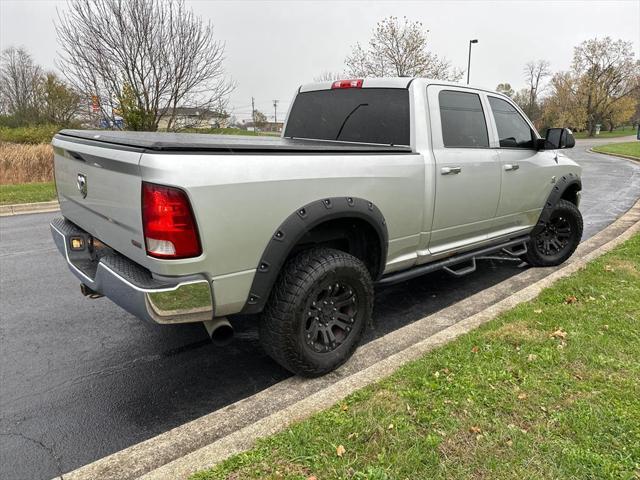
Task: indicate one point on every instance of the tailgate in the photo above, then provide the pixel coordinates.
(99, 189)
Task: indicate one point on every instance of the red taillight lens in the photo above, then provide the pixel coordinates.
(169, 227)
(347, 84)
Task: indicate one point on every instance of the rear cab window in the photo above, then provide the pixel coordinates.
(363, 115)
(463, 120)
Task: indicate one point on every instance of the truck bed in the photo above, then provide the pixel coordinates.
(198, 142)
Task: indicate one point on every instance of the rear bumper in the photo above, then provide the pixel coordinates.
(161, 300)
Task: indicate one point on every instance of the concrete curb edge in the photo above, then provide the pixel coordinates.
(244, 439)
(234, 428)
(24, 208)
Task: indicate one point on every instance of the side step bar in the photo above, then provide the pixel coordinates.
(470, 257)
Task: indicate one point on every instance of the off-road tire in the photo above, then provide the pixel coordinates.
(288, 318)
(567, 213)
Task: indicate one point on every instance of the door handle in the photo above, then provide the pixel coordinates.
(511, 166)
(450, 170)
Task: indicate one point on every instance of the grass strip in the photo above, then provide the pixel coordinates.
(27, 193)
(620, 132)
(629, 149)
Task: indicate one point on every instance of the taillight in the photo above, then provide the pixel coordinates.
(347, 84)
(169, 226)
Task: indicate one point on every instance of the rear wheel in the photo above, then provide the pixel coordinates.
(558, 238)
(317, 311)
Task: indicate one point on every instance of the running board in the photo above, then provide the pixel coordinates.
(447, 264)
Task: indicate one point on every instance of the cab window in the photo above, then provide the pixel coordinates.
(513, 130)
(463, 121)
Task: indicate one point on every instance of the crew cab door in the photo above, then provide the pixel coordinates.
(467, 169)
(526, 172)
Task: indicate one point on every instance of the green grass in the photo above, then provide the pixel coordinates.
(630, 149)
(27, 193)
(619, 132)
(33, 135)
(195, 296)
(548, 390)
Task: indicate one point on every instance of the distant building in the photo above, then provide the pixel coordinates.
(192, 117)
(263, 127)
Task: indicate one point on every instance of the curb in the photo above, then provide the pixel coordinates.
(214, 437)
(619, 155)
(24, 208)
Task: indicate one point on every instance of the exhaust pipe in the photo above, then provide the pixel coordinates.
(220, 331)
(88, 292)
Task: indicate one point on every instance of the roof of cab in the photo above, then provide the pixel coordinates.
(386, 82)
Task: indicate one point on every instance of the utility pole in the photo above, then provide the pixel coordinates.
(469, 62)
(275, 111)
(253, 113)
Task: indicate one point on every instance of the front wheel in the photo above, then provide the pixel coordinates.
(556, 240)
(317, 311)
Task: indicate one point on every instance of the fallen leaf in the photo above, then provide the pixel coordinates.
(344, 407)
(475, 430)
(559, 333)
(509, 443)
(571, 299)
(537, 310)
(390, 427)
(475, 349)
(352, 435)
(340, 451)
(609, 268)
(532, 357)
(522, 396)
(606, 327)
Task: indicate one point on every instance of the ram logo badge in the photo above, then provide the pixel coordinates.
(81, 183)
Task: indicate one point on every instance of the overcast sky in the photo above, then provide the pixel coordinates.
(273, 46)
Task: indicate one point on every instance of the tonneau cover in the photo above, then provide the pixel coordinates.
(189, 142)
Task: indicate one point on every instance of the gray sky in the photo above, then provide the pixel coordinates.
(273, 46)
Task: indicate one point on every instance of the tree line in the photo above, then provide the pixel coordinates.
(143, 60)
(139, 61)
(602, 87)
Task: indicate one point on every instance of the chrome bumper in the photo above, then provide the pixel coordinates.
(131, 286)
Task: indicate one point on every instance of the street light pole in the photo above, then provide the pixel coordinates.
(469, 62)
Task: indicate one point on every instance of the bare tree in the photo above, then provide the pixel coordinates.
(605, 73)
(535, 73)
(505, 89)
(142, 58)
(20, 81)
(398, 49)
(327, 76)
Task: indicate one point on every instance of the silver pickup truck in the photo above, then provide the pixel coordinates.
(373, 181)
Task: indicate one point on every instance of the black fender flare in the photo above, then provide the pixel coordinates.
(295, 226)
(569, 180)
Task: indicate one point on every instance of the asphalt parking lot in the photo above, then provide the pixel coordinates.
(80, 379)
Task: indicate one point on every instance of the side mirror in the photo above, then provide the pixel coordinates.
(557, 138)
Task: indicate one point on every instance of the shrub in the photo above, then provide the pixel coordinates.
(23, 163)
(31, 134)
